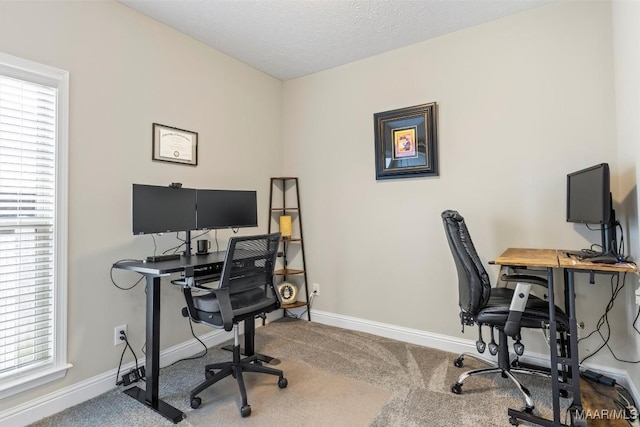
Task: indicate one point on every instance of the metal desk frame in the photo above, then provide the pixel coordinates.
(153, 272)
(551, 259)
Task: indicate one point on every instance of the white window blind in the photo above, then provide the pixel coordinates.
(33, 223)
(27, 218)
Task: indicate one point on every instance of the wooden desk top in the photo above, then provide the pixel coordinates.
(529, 258)
(552, 258)
(567, 261)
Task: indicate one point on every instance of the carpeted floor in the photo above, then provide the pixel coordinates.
(336, 377)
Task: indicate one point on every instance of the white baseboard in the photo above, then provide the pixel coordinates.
(66, 397)
(451, 344)
(413, 336)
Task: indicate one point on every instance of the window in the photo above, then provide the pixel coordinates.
(33, 223)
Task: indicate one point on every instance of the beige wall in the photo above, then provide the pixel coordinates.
(126, 72)
(626, 42)
(522, 102)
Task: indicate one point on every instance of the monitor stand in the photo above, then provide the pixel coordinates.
(187, 243)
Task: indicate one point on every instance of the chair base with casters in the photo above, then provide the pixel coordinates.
(245, 292)
(501, 308)
(235, 368)
(503, 367)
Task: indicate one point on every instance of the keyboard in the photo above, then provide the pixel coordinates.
(595, 257)
(583, 253)
(603, 259)
(158, 258)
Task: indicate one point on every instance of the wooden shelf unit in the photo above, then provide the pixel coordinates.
(289, 206)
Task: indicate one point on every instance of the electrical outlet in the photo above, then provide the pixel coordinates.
(316, 289)
(116, 334)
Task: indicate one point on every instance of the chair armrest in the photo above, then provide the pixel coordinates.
(226, 309)
(187, 280)
(526, 278)
(517, 307)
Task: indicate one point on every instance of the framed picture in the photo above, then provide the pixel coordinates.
(175, 145)
(406, 142)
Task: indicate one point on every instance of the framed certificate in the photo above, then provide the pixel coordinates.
(175, 145)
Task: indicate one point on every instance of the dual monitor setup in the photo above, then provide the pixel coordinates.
(158, 209)
(589, 201)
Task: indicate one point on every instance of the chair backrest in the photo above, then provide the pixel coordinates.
(474, 286)
(249, 262)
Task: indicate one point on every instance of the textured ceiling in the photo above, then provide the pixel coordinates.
(292, 38)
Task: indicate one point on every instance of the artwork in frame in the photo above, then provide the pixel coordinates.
(175, 145)
(406, 142)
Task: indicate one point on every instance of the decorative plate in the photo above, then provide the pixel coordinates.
(288, 292)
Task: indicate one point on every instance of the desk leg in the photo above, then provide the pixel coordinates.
(573, 343)
(553, 336)
(149, 397)
(249, 334)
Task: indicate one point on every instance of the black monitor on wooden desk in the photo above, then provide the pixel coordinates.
(589, 201)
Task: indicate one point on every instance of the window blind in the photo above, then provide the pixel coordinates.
(27, 218)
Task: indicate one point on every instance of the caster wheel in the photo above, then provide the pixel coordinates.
(493, 349)
(258, 362)
(245, 411)
(513, 421)
(564, 393)
(282, 382)
(458, 362)
(195, 402)
(208, 374)
(528, 409)
(456, 388)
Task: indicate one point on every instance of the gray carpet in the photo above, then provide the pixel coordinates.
(336, 377)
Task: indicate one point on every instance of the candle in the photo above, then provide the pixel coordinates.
(285, 225)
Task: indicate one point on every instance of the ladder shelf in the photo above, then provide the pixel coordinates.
(292, 266)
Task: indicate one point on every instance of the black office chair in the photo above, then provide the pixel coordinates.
(503, 309)
(245, 291)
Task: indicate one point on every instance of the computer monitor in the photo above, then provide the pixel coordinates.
(226, 209)
(589, 202)
(157, 209)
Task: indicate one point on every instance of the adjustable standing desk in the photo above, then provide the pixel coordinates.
(570, 266)
(153, 272)
(551, 259)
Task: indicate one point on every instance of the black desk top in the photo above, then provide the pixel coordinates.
(172, 265)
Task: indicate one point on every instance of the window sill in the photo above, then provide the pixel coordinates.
(32, 380)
